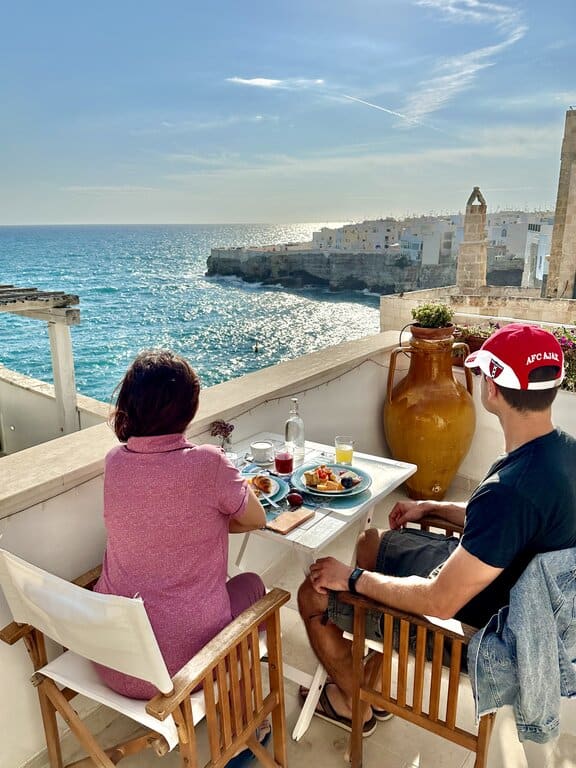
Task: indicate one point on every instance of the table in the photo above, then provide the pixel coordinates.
(330, 520)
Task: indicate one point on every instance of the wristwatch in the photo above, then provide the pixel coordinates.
(353, 578)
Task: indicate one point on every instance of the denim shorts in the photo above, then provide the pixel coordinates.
(406, 552)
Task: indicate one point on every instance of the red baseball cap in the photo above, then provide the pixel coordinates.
(510, 354)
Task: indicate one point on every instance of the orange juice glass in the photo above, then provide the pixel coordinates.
(344, 449)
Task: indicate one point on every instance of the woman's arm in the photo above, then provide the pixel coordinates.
(251, 519)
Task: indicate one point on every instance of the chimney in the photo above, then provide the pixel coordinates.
(471, 268)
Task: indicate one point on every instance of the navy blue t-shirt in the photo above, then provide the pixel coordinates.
(525, 505)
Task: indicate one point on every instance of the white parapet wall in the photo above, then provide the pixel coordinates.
(496, 302)
(29, 412)
(51, 494)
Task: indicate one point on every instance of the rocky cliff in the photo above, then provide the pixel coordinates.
(377, 271)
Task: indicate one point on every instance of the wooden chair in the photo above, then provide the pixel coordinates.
(116, 632)
(423, 704)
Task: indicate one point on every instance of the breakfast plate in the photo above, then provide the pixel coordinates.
(274, 486)
(278, 488)
(299, 480)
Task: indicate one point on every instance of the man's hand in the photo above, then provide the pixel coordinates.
(409, 512)
(328, 573)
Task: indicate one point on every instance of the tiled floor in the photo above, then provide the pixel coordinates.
(396, 743)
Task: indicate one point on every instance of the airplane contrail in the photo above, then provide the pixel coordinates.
(391, 112)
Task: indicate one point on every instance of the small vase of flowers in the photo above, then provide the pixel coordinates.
(223, 430)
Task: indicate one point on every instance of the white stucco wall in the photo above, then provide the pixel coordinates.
(338, 392)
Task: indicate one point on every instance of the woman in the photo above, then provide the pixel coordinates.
(169, 506)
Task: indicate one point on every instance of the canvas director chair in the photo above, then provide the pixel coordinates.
(116, 632)
(431, 701)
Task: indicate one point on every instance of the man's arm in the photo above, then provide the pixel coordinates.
(412, 511)
(461, 578)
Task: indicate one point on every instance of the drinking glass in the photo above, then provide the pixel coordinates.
(284, 459)
(344, 449)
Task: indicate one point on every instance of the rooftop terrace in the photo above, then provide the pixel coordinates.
(51, 514)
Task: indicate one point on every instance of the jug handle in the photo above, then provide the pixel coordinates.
(392, 369)
(467, 372)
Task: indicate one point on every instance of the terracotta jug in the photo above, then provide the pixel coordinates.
(429, 417)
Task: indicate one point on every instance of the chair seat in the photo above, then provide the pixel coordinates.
(75, 672)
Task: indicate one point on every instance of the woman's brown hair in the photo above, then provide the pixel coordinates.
(157, 396)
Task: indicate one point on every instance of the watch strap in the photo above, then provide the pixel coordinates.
(353, 578)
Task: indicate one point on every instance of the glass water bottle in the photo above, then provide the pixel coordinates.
(294, 430)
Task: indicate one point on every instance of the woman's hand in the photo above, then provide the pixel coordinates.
(328, 573)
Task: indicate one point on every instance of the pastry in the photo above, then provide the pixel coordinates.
(262, 483)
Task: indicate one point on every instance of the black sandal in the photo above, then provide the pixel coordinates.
(326, 711)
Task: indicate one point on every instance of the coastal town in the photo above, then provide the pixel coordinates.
(508, 273)
(391, 255)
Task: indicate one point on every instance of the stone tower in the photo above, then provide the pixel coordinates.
(561, 283)
(471, 268)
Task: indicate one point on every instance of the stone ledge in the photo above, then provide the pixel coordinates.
(39, 473)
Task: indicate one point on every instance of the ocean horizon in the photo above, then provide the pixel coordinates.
(144, 286)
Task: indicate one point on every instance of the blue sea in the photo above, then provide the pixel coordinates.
(144, 286)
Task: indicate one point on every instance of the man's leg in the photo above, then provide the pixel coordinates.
(332, 650)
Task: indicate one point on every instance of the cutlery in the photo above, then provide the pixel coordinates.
(272, 502)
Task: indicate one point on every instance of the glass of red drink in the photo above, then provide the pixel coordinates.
(284, 459)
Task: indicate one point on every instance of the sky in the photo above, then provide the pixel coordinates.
(280, 110)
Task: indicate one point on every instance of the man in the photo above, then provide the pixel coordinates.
(525, 505)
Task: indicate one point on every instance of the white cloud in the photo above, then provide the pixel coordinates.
(106, 190)
(288, 84)
(534, 100)
(225, 159)
(506, 142)
(475, 11)
(456, 74)
(190, 126)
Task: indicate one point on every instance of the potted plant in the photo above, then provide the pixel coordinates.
(429, 415)
(567, 338)
(433, 320)
(472, 335)
(433, 314)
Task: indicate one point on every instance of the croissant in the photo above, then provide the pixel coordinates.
(263, 483)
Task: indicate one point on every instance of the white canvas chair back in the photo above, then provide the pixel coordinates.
(113, 631)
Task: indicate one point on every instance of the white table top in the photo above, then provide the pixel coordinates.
(330, 521)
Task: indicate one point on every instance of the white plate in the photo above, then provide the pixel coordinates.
(275, 487)
(299, 482)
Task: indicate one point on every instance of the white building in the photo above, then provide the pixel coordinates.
(524, 235)
(428, 239)
(517, 231)
(543, 252)
(436, 239)
(379, 234)
(327, 239)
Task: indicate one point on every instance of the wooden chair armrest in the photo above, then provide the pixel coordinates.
(452, 628)
(201, 665)
(13, 632)
(433, 521)
(88, 579)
